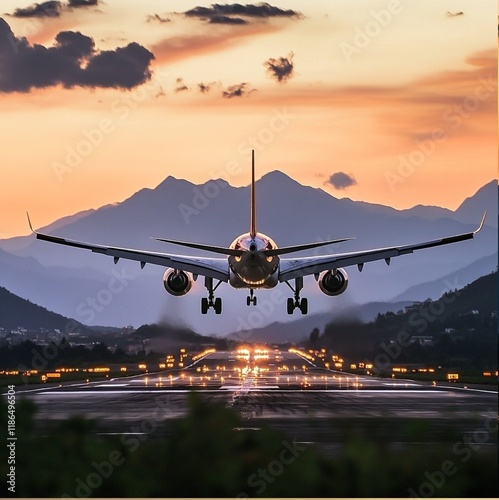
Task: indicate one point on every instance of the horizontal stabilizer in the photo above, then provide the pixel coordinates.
(200, 246)
(298, 248)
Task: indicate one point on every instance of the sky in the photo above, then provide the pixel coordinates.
(382, 101)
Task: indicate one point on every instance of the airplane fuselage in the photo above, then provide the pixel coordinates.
(253, 269)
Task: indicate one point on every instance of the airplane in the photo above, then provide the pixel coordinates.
(253, 261)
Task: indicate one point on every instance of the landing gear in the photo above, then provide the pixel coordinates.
(206, 303)
(296, 302)
(251, 299)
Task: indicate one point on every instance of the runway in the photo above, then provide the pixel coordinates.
(283, 390)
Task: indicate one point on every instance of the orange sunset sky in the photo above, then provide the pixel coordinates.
(398, 99)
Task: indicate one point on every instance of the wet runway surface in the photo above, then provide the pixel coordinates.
(285, 391)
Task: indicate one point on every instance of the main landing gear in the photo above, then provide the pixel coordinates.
(206, 303)
(251, 299)
(297, 303)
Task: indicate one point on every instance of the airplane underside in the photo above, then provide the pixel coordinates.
(295, 302)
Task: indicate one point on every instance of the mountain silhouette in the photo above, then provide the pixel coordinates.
(68, 280)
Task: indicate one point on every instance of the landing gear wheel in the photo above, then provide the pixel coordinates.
(251, 299)
(296, 302)
(218, 305)
(204, 305)
(304, 306)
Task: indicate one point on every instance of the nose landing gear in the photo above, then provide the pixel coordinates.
(251, 299)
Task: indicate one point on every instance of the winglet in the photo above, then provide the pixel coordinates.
(481, 223)
(30, 225)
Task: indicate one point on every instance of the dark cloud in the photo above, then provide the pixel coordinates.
(238, 90)
(82, 3)
(52, 8)
(181, 86)
(204, 88)
(157, 18)
(224, 13)
(340, 180)
(227, 20)
(281, 68)
(72, 61)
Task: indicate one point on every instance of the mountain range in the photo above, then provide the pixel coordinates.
(91, 289)
(18, 312)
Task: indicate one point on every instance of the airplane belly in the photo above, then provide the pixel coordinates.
(252, 279)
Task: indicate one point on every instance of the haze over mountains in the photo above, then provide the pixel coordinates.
(91, 289)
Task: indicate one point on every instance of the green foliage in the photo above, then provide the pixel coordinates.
(472, 343)
(206, 456)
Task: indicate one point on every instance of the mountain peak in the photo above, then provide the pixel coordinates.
(276, 176)
(170, 182)
(485, 199)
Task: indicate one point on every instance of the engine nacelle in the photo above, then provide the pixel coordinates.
(177, 282)
(333, 283)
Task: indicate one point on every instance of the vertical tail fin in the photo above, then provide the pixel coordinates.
(253, 198)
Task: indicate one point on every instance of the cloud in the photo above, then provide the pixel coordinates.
(224, 13)
(51, 8)
(340, 181)
(181, 86)
(157, 18)
(281, 69)
(72, 61)
(204, 88)
(82, 3)
(227, 20)
(238, 90)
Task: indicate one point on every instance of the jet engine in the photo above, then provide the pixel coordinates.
(333, 283)
(177, 282)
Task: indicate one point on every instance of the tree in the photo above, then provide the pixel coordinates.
(314, 335)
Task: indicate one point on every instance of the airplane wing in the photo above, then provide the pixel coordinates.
(304, 266)
(209, 267)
